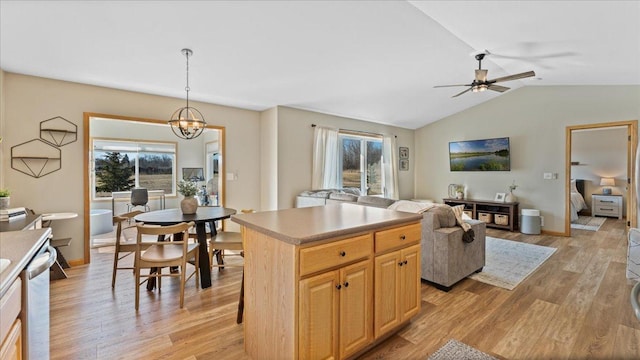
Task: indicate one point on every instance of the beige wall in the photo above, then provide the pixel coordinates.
(535, 119)
(601, 153)
(295, 143)
(269, 159)
(29, 100)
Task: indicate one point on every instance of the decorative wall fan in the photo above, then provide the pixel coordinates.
(480, 83)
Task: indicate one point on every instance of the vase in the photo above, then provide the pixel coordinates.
(4, 202)
(510, 197)
(189, 205)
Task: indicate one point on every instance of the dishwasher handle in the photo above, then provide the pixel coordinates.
(42, 262)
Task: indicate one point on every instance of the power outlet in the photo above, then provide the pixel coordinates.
(547, 176)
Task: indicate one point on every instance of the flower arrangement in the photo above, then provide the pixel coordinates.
(187, 188)
(513, 186)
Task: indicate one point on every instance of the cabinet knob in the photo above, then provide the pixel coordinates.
(402, 237)
(405, 262)
(343, 253)
(338, 286)
(400, 263)
(346, 284)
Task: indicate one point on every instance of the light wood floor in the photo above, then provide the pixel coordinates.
(575, 306)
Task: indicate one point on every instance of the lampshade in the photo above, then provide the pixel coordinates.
(607, 182)
(187, 122)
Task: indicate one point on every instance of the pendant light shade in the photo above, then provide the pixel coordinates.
(187, 122)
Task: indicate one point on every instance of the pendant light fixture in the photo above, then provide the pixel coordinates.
(187, 122)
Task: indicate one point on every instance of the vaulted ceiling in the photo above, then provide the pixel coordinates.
(371, 60)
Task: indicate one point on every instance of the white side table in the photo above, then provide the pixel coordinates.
(61, 262)
(606, 205)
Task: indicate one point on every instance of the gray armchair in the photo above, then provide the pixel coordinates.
(446, 258)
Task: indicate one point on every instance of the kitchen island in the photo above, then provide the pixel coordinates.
(328, 281)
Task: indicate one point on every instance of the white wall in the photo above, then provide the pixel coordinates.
(295, 155)
(29, 100)
(535, 119)
(600, 153)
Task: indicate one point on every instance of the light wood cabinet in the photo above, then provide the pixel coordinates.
(397, 288)
(317, 298)
(11, 348)
(336, 312)
(10, 325)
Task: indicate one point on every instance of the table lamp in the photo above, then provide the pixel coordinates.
(607, 182)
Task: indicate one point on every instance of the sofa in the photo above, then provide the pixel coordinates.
(446, 258)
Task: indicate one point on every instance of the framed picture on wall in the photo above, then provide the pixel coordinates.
(404, 165)
(404, 153)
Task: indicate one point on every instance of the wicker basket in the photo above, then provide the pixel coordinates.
(502, 219)
(469, 213)
(486, 217)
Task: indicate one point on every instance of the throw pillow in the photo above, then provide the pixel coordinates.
(468, 235)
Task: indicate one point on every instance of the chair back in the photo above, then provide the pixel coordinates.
(166, 232)
(120, 220)
(139, 197)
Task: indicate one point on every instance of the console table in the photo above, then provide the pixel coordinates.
(496, 209)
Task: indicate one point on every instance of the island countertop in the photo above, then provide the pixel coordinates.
(19, 247)
(303, 225)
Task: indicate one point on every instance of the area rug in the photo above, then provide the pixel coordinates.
(588, 223)
(455, 350)
(509, 262)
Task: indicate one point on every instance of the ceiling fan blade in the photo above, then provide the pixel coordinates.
(439, 86)
(461, 93)
(481, 75)
(513, 77)
(498, 88)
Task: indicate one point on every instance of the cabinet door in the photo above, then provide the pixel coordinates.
(11, 348)
(410, 282)
(318, 317)
(386, 297)
(356, 307)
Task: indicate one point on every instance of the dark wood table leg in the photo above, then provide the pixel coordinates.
(205, 267)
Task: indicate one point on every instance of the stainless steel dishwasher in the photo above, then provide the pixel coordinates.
(35, 304)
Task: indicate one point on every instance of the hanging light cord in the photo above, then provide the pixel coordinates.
(187, 52)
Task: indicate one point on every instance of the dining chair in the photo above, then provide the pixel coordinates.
(226, 240)
(166, 254)
(126, 241)
(139, 197)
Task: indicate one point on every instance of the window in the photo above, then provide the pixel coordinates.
(119, 165)
(361, 163)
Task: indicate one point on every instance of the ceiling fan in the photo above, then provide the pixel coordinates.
(480, 83)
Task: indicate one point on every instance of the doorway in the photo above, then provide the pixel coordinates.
(623, 177)
(165, 159)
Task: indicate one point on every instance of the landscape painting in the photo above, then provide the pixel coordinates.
(480, 155)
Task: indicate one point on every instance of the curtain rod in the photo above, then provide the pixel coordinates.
(358, 131)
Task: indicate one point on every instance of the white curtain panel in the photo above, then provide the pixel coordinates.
(390, 167)
(326, 154)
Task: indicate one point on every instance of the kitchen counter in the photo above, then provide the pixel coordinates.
(303, 225)
(19, 247)
(313, 277)
(19, 224)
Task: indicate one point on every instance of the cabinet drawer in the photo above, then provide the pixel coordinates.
(320, 257)
(10, 305)
(599, 201)
(397, 237)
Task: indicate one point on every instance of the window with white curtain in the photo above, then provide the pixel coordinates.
(361, 163)
(153, 164)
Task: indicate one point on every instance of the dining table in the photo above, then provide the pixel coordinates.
(203, 215)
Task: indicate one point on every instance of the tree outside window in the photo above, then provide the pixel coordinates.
(362, 163)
